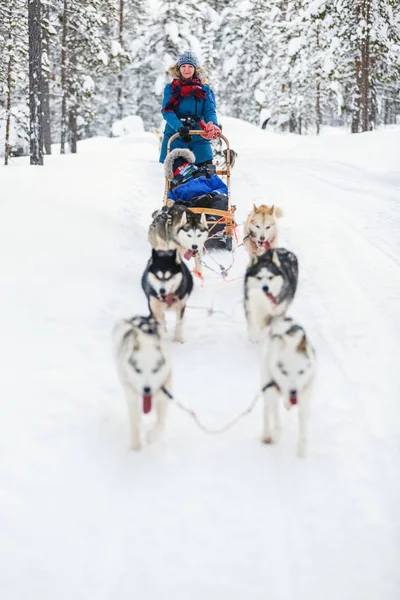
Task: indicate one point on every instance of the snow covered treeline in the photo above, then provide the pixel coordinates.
(301, 62)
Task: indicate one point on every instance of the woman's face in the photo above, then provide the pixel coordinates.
(187, 71)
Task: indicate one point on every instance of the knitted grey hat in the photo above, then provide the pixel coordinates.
(187, 58)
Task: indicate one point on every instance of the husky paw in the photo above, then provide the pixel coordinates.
(267, 439)
(179, 338)
(136, 446)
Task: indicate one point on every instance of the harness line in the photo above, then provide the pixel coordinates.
(226, 427)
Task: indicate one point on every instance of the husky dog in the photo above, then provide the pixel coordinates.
(221, 156)
(269, 287)
(167, 283)
(144, 369)
(288, 368)
(179, 227)
(260, 229)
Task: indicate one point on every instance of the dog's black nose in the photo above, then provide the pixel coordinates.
(262, 238)
(194, 246)
(146, 389)
(162, 291)
(265, 289)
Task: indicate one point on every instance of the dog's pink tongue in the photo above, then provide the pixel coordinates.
(169, 298)
(188, 254)
(267, 245)
(147, 403)
(293, 398)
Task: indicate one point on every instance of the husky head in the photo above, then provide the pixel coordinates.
(291, 358)
(164, 273)
(275, 274)
(261, 226)
(141, 356)
(192, 233)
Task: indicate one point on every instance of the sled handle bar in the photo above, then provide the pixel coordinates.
(226, 171)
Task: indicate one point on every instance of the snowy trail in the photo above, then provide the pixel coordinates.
(196, 516)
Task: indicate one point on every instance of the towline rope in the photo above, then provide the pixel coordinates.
(206, 429)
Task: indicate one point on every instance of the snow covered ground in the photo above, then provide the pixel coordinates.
(197, 516)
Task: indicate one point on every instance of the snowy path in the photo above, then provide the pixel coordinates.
(197, 516)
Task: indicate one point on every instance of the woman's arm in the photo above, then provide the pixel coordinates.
(170, 116)
(209, 107)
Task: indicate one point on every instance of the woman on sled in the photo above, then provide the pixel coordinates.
(187, 102)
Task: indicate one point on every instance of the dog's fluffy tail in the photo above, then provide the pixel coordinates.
(278, 212)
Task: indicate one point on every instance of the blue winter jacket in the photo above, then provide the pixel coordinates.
(204, 108)
(198, 187)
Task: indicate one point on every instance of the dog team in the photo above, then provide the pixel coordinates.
(287, 357)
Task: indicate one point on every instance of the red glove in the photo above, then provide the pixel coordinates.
(211, 131)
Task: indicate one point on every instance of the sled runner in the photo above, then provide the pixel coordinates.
(218, 209)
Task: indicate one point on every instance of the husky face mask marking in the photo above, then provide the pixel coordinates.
(163, 284)
(260, 229)
(288, 361)
(269, 287)
(167, 283)
(267, 282)
(177, 227)
(192, 234)
(144, 368)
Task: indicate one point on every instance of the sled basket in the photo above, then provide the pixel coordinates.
(221, 223)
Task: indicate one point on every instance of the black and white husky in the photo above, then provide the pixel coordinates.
(287, 371)
(144, 369)
(167, 283)
(179, 227)
(269, 287)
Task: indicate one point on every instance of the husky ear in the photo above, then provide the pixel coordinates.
(254, 208)
(154, 253)
(271, 210)
(203, 219)
(183, 219)
(302, 347)
(253, 260)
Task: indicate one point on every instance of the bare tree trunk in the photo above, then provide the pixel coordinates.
(73, 130)
(120, 102)
(8, 109)
(46, 88)
(72, 113)
(318, 95)
(355, 121)
(35, 82)
(318, 106)
(64, 78)
(365, 65)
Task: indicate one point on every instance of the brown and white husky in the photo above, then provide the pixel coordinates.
(260, 229)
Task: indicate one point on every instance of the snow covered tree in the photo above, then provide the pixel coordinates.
(13, 63)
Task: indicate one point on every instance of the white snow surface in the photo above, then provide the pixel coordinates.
(197, 516)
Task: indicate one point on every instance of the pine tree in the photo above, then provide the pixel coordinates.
(13, 62)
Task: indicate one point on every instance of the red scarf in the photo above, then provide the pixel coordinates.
(184, 89)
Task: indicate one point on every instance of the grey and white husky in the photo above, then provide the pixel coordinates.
(269, 287)
(144, 369)
(167, 283)
(178, 227)
(287, 370)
